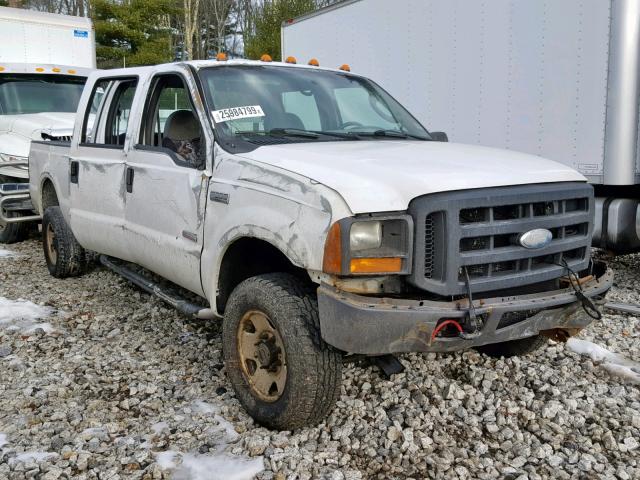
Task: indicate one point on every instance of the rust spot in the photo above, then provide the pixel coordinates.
(560, 334)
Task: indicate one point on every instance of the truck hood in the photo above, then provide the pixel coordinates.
(17, 131)
(385, 175)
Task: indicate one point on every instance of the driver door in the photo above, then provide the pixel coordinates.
(166, 184)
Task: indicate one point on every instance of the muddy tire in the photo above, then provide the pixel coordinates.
(522, 346)
(14, 232)
(63, 254)
(283, 373)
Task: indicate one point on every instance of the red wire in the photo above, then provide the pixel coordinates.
(444, 324)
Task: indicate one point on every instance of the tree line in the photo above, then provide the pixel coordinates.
(147, 32)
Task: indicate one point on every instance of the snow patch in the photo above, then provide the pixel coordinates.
(614, 363)
(23, 316)
(209, 467)
(205, 408)
(157, 428)
(3, 439)
(37, 457)
(7, 253)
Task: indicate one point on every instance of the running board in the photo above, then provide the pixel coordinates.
(623, 307)
(172, 298)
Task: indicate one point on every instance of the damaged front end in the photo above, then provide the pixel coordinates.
(379, 325)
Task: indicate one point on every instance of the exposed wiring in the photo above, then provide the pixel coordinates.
(588, 306)
(440, 326)
(472, 309)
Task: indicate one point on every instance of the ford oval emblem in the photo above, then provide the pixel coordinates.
(534, 239)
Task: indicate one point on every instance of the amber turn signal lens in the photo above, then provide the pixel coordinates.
(332, 260)
(376, 265)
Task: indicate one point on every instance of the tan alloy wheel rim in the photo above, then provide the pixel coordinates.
(262, 356)
(51, 249)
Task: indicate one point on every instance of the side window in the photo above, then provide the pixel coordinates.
(119, 110)
(107, 115)
(98, 98)
(356, 104)
(304, 106)
(171, 124)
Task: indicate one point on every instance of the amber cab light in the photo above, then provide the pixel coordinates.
(265, 58)
(291, 60)
(314, 62)
(345, 67)
(221, 57)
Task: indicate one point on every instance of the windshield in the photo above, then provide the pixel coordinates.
(289, 104)
(20, 94)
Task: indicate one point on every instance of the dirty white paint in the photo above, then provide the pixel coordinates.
(285, 195)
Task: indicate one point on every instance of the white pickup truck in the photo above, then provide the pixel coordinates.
(318, 218)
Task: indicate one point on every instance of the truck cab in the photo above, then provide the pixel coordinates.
(317, 218)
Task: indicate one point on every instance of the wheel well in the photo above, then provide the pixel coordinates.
(246, 258)
(49, 195)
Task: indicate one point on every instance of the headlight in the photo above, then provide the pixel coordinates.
(376, 245)
(365, 236)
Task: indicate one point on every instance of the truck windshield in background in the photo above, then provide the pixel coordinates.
(25, 94)
(300, 104)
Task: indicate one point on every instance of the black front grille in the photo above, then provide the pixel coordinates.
(479, 231)
(429, 246)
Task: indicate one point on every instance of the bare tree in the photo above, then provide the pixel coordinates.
(191, 11)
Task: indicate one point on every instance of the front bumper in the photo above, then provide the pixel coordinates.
(376, 326)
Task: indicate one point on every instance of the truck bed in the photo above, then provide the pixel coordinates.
(49, 162)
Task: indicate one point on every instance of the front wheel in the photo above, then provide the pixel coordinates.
(283, 373)
(62, 252)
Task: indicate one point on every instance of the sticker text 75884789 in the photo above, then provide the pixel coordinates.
(236, 113)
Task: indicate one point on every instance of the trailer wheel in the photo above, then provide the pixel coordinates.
(282, 372)
(14, 232)
(512, 348)
(62, 252)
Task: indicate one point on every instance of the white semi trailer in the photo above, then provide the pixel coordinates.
(557, 79)
(44, 63)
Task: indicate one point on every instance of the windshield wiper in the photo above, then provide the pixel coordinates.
(388, 134)
(289, 132)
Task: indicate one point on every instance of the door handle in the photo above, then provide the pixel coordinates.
(129, 179)
(74, 170)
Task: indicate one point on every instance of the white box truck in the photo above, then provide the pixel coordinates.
(557, 79)
(44, 63)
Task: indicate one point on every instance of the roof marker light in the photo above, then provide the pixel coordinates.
(221, 57)
(71, 71)
(314, 62)
(39, 69)
(291, 60)
(345, 67)
(55, 69)
(265, 58)
(1, 69)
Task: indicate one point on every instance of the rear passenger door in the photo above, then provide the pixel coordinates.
(97, 167)
(166, 184)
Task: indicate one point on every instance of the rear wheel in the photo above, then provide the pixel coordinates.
(513, 348)
(282, 371)
(63, 254)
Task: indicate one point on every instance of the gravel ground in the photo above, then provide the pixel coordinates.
(99, 380)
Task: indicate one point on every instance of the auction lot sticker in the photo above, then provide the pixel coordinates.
(236, 113)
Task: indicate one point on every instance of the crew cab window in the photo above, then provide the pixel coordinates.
(170, 123)
(108, 112)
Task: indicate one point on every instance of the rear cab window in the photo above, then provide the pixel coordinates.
(108, 112)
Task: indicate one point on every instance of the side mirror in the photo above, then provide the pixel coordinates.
(439, 136)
